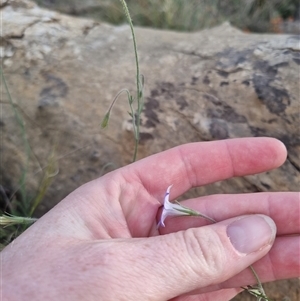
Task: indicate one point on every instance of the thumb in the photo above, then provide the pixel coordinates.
(170, 265)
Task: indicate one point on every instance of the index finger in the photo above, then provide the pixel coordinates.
(201, 163)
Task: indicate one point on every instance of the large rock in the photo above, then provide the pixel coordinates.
(63, 72)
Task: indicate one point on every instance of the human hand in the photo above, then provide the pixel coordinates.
(101, 241)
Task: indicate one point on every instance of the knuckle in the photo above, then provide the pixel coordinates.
(205, 252)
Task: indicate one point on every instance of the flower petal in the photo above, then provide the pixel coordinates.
(171, 209)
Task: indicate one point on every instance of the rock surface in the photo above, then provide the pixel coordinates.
(63, 72)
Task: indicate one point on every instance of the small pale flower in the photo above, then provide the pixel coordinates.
(170, 209)
(176, 209)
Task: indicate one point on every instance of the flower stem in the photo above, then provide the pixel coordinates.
(192, 212)
(139, 85)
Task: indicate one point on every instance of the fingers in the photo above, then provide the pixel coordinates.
(139, 188)
(282, 207)
(282, 262)
(201, 163)
(178, 263)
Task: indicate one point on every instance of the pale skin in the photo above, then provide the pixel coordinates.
(101, 242)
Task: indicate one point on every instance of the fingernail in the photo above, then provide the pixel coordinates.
(251, 233)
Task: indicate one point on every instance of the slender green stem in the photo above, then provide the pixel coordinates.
(105, 120)
(50, 173)
(25, 140)
(195, 213)
(260, 287)
(10, 220)
(139, 86)
(135, 115)
(125, 7)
